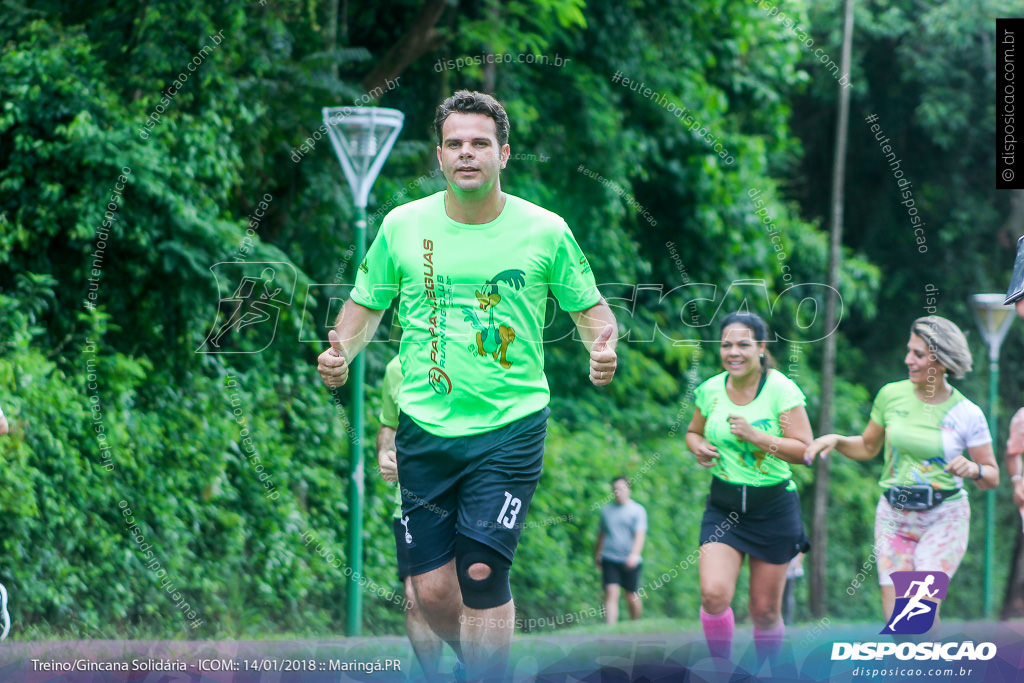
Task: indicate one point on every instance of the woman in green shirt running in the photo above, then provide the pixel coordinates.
(749, 425)
(923, 517)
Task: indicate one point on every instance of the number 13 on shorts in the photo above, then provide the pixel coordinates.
(509, 511)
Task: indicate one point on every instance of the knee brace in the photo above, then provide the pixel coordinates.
(492, 591)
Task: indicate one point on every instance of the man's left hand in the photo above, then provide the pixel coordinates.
(387, 460)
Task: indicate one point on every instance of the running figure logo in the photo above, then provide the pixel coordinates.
(254, 304)
(915, 610)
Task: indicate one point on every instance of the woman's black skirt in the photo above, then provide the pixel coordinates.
(772, 532)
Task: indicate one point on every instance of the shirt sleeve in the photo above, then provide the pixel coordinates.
(641, 518)
(570, 279)
(879, 406)
(377, 280)
(700, 398)
(789, 395)
(389, 392)
(976, 428)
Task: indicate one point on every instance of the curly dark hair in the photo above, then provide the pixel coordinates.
(471, 102)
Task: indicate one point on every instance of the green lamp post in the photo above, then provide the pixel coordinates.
(362, 138)
(994, 320)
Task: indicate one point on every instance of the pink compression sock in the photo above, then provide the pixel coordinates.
(769, 643)
(718, 630)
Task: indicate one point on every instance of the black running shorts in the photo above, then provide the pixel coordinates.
(401, 552)
(480, 486)
(619, 574)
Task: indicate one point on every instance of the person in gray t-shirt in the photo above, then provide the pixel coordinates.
(619, 544)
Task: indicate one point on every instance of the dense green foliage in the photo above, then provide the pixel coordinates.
(131, 200)
(926, 72)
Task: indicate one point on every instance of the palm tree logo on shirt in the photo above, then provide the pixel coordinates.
(494, 339)
(751, 456)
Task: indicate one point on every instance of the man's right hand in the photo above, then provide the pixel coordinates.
(332, 364)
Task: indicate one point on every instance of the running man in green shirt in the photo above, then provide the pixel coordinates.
(472, 267)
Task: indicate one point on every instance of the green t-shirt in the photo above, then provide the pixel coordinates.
(473, 308)
(922, 438)
(389, 393)
(389, 411)
(740, 462)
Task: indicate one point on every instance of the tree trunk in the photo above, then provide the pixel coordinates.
(490, 69)
(421, 37)
(331, 33)
(819, 527)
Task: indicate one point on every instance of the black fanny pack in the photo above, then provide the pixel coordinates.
(917, 498)
(743, 497)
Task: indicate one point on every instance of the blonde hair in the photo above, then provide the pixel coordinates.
(946, 342)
